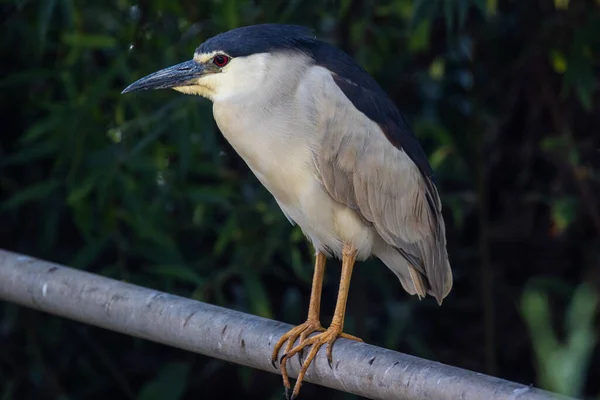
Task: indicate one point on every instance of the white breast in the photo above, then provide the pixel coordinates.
(276, 138)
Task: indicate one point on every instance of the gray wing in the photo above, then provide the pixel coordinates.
(362, 163)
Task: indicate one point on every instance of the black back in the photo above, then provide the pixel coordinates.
(369, 98)
(358, 86)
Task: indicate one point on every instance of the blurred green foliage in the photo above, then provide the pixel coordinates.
(562, 368)
(502, 94)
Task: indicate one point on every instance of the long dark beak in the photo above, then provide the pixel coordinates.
(177, 75)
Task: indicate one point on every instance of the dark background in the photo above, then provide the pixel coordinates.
(503, 95)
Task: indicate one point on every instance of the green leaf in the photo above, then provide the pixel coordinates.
(89, 253)
(536, 311)
(257, 295)
(440, 155)
(580, 74)
(462, 9)
(564, 211)
(419, 38)
(403, 9)
(31, 153)
(581, 311)
(424, 11)
(41, 128)
(226, 234)
(554, 143)
(80, 192)
(585, 93)
(157, 253)
(183, 273)
(89, 41)
(562, 366)
(26, 77)
(83, 215)
(449, 15)
(44, 17)
(437, 69)
(561, 4)
(482, 5)
(231, 11)
(558, 61)
(208, 195)
(491, 7)
(31, 193)
(298, 266)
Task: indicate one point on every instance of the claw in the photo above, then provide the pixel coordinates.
(330, 352)
(300, 357)
(301, 331)
(290, 337)
(327, 337)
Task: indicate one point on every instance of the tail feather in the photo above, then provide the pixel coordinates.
(413, 244)
(412, 273)
(418, 282)
(411, 279)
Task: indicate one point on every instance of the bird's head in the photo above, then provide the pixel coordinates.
(234, 62)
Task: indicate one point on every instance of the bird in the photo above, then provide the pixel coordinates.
(340, 160)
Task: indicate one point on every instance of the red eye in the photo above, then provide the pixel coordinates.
(220, 60)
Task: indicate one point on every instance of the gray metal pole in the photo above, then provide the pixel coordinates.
(358, 368)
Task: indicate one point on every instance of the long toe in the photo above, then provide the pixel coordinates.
(301, 331)
(328, 337)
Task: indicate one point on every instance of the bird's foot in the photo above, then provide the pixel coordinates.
(301, 331)
(328, 336)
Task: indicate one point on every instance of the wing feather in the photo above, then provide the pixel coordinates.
(363, 164)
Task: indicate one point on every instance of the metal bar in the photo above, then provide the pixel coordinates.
(240, 338)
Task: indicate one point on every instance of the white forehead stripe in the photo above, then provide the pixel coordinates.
(204, 57)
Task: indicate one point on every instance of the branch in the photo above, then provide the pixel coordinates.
(240, 338)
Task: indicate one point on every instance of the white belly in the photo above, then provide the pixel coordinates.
(283, 164)
(326, 223)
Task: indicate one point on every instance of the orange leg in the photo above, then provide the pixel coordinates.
(328, 336)
(312, 323)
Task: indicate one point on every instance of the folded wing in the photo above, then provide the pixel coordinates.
(370, 161)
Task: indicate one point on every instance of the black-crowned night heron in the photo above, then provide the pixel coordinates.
(330, 146)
